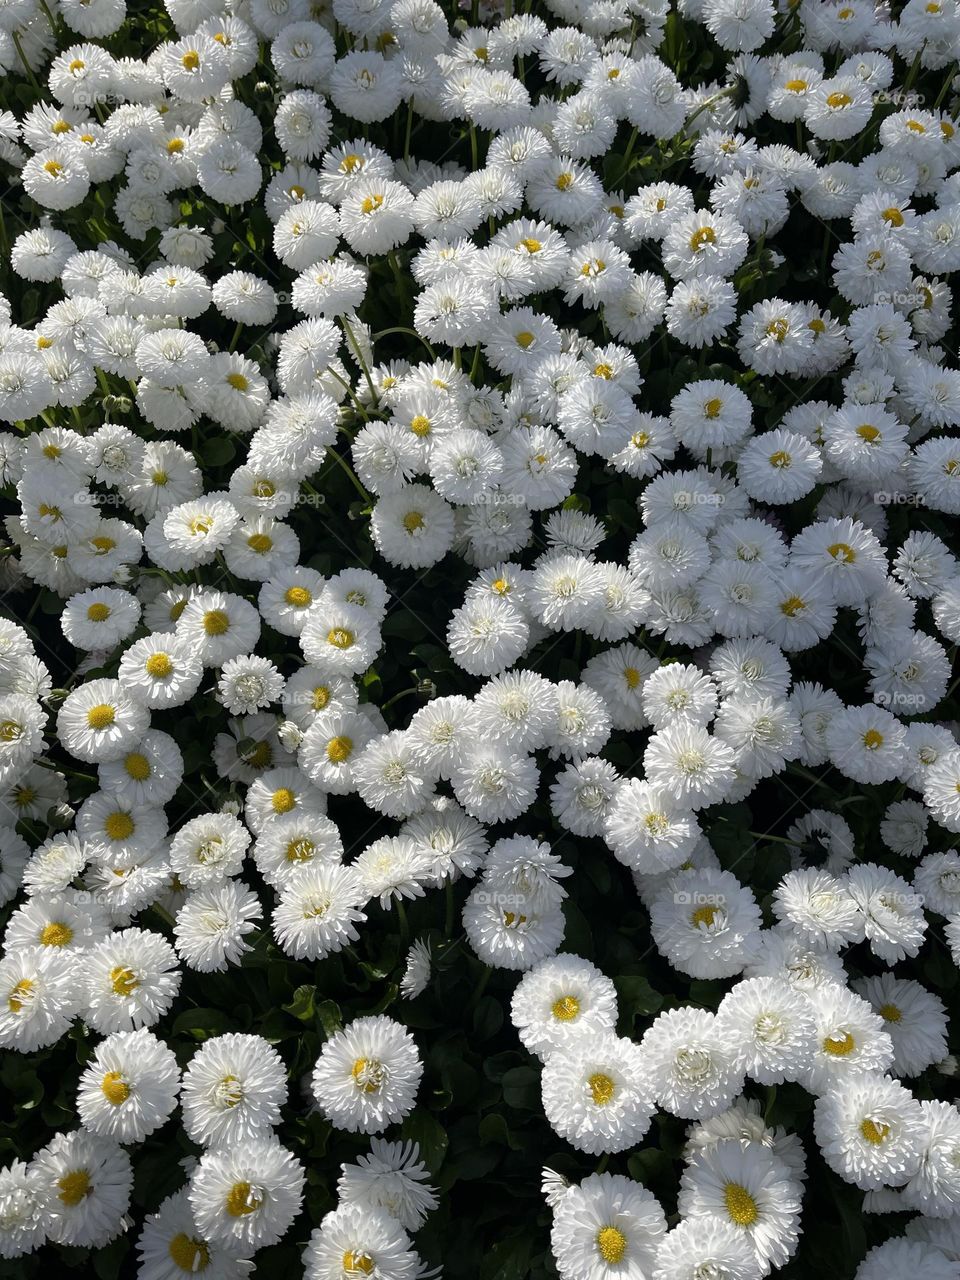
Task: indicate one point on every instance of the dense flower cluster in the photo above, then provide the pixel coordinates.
(579, 374)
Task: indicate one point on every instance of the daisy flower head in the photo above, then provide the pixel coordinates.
(692, 1072)
(592, 1095)
(367, 1075)
(246, 1195)
(558, 999)
(130, 1087)
(232, 1091)
(391, 1177)
(750, 1189)
(605, 1223)
(87, 1181)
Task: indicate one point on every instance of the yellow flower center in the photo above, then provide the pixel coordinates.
(839, 1044)
(602, 1088)
(215, 622)
(868, 433)
(413, 521)
(137, 766)
(98, 612)
(101, 716)
(872, 739)
(703, 915)
(796, 86)
(283, 800)
(299, 597)
(525, 339)
(123, 981)
(19, 995)
(893, 216)
(357, 1263)
(566, 1008)
(119, 826)
(191, 60)
(300, 850)
(114, 1088)
(792, 606)
(890, 1013)
(238, 381)
(261, 543)
(158, 665)
(229, 1092)
(632, 677)
(780, 459)
(842, 551)
(241, 1200)
(368, 1074)
(611, 1244)
(370, 204)
(837, 100)
(874, 1132)
(74, 1187)
(189, 1254)
(55, 934)
(702, 236)
(712, 408)
(321, 696)
(338, 749)
(741, 1206)
(340, 638)
(564, 182)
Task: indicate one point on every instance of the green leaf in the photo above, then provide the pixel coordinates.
(203, 1023)
(423, 1128)
(301, 1006)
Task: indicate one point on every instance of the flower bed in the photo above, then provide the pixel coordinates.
(479, 768)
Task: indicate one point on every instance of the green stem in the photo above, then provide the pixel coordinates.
(481, 986)
(404, 924)
(450, 911)
(705, 106)
(404, 693)
(351, 473)
(383, 333)
(26, 65)
(409, 131)
(352, 341)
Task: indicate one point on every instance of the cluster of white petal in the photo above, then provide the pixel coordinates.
(541, 281)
